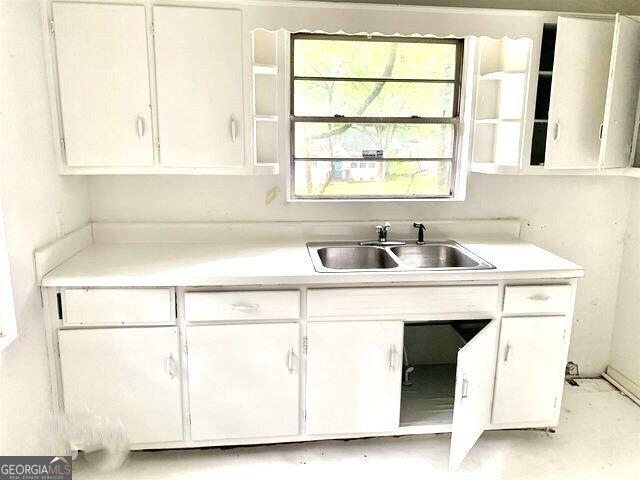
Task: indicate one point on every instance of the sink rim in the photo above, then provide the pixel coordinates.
(402, 266)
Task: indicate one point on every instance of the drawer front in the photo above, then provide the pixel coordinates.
(118, 306)
(537, 299)
(241, 305)
(332, 302)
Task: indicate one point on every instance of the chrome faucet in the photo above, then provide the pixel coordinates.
(383, 233)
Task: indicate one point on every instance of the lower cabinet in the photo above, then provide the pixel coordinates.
(244, 380)
(130, 375)
(353, 376)
(531, 361)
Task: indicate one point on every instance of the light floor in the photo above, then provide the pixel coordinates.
(598, 438)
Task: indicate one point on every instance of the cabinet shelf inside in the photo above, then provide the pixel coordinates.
(264, 69)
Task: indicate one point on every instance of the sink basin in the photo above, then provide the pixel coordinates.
(352, 257)
(434, 256)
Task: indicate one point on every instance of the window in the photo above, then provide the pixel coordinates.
(391, 101)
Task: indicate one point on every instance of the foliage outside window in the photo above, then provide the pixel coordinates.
(374, 117)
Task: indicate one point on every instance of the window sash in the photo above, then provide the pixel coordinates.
(453, 120)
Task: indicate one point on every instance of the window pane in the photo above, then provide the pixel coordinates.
(374, 59)
(396, 140)
(388, 179)
(373, 99)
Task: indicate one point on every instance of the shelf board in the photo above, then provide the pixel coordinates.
(545, 73)
(495, 121)
(263, 69)
(266, 118)
(540, 120)
(500, 74)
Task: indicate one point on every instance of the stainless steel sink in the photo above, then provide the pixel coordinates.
(353, 257)
(356, 257)
(435, 256)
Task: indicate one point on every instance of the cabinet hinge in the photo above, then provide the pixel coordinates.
(153, 29)
(52, 27)
(186, 348)
(305, 344)
(555, 402)
(63, 146)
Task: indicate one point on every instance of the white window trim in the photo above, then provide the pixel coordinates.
(463, 139)
(8, 327)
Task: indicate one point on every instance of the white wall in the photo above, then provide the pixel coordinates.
(32, 194)
(625, 348)
(580, 218)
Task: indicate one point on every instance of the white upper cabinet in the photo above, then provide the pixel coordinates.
(200, 86)
(622, 95)
(474, 392)
(578, 92)
(103, 78)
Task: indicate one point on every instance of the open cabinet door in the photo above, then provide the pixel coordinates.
(578, 90)
(474, 392)
(622, 95)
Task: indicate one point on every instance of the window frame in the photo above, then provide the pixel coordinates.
(454, 119)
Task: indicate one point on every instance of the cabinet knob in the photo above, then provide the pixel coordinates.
(245, 307)
(234, 129)
(170, 366)
(539, 298)
(392, 357)
(290, 359)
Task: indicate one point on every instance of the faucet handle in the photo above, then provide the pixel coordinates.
(382, 231)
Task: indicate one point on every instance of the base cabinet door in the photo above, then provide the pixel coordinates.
(243, 380)
(530, 370)
(128, 375)
(474, 392)
(353, 376)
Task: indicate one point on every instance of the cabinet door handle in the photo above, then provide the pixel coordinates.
(170, 366)
(507, 351)
(601, 131)
(234, 129)
(465, 388)
(290, 360)
(556, 130)
(140, 126)
(245, 307)
(392, 357)
(539, 297)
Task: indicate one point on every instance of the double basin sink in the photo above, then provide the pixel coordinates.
(408, 256)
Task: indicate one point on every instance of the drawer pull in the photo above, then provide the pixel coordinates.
(245, 307)
(539, 298)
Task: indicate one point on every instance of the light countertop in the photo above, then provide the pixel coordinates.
(282, 263)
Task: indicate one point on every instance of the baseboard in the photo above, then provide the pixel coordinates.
(624, 384)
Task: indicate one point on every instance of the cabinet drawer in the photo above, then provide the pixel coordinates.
(331, 302)
(241, 305)
(537, 299)
(118, 306)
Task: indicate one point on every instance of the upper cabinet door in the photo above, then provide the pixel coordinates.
(353, 376)
(200, 86)
(103, 77)
(622, 95)
(578, 92)
(474, 392)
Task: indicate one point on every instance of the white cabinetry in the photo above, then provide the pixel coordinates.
(130, 375)
(200, 86)
(530, 370)
(103, 79)
(594, 94)
(353, 377)
(243, 380)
